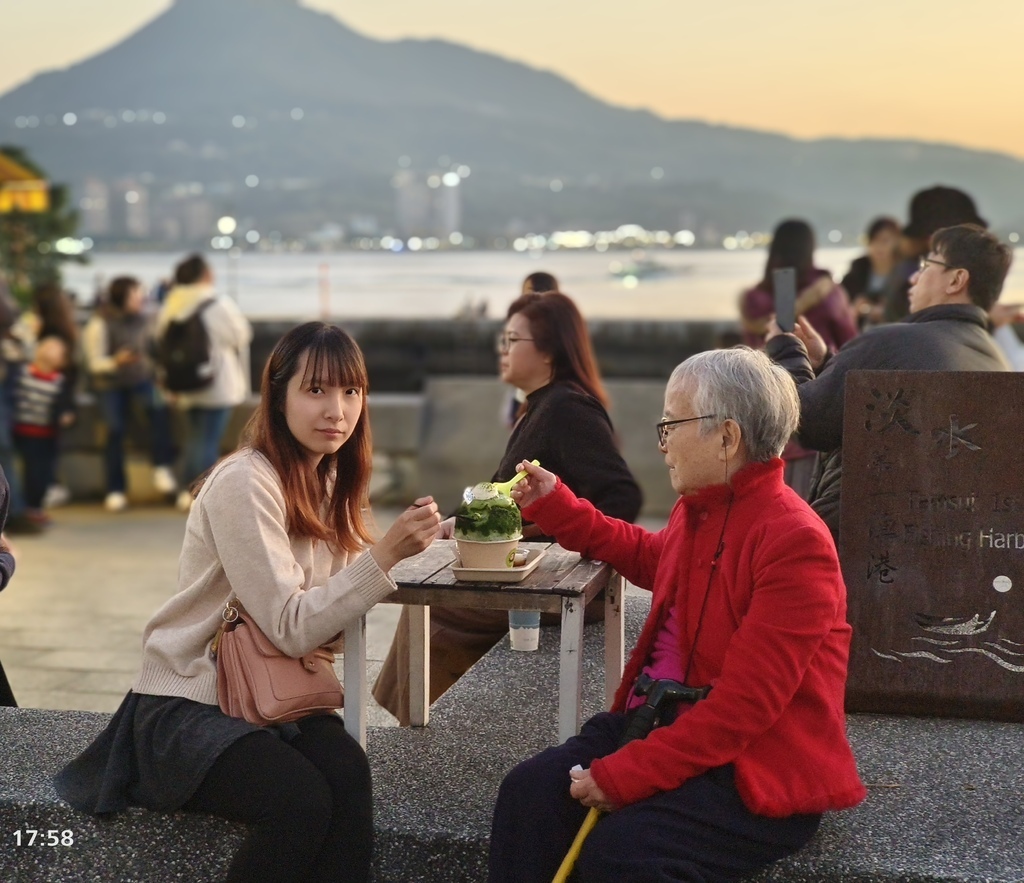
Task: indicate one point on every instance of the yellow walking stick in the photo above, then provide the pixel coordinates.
(565, 868)
(658, 693)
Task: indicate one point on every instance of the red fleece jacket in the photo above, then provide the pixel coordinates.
(774, 642)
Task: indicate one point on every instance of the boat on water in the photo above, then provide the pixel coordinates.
(642, 267)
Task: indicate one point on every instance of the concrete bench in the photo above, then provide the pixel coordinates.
(944, 795)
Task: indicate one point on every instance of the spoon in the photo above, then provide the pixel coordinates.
(486, 490)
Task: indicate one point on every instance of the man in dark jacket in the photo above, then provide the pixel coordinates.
(947, 330)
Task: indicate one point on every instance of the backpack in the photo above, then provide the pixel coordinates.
(183, 353)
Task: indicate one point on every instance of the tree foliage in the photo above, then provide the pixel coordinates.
(28, 240)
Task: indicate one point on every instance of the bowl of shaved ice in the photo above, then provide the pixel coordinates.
(488, 528)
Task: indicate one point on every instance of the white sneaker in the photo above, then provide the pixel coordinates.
(184, 501)
(115, 502)
(56, 495)
(163, 480)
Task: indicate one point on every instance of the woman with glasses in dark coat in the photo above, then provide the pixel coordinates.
(544, 350)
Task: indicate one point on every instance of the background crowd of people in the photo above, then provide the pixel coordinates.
(47, 360)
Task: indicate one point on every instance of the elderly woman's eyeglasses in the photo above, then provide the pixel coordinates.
(503, 342)
(663, 426)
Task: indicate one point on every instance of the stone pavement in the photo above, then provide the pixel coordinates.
(71, 619)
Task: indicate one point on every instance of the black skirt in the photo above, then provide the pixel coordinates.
(154, 753)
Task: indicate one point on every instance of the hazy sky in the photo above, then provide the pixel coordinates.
(935, 70)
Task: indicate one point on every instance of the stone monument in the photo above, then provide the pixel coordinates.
(932, 542)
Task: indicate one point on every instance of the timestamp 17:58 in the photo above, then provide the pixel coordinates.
(39, 837)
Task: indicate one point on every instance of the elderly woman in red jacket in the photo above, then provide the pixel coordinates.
(748, 600)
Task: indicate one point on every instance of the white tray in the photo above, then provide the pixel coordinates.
(500, 574)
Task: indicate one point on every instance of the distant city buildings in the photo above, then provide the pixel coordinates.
(94, 208)
(125, 209)
(427, 206)
(118, 209)
(185, 216)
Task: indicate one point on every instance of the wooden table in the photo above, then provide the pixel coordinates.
(562, 582)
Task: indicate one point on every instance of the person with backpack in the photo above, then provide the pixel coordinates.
(117, 340)
(200, 339)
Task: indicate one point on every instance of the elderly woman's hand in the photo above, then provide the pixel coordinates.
(586, 791)
(446, 528)
(538, 483)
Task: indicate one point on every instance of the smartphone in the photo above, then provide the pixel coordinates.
(784, 282)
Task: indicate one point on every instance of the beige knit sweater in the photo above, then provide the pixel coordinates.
(236, 542)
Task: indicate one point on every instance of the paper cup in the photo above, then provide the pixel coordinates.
(524, 629)
(487, 556)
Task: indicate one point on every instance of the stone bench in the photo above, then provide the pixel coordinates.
(944, 795)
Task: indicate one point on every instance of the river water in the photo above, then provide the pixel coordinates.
(692, 284)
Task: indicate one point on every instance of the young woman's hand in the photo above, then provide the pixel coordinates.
(411, 533)
(538, 483)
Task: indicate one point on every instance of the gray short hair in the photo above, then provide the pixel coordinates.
(746, 386)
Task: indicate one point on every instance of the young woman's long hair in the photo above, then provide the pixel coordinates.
(792, 246)
(334, 360)
(558, 331)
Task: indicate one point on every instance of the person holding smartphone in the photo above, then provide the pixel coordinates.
(823, 303)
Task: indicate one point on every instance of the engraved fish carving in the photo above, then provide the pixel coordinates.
(952, 625)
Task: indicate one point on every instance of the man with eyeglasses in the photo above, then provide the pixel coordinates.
(954, 287)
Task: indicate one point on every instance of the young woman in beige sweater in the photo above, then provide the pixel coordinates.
(279, 524)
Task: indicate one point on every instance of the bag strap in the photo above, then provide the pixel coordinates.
(230, 616)
(234, 613)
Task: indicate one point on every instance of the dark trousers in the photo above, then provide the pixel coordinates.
(307, 802)
(701, 832)
(7, 699)
(39, 464)
(205, 429)
(117, 408)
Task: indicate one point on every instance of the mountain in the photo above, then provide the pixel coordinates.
(230, 76)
